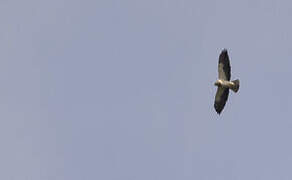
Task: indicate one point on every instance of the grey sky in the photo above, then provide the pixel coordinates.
(123, 90)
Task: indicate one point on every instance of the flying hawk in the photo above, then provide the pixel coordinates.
(224, 83)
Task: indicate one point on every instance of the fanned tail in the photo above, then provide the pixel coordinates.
(235, 88)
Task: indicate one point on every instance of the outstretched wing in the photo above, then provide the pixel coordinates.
(221, 98)
(224, 66)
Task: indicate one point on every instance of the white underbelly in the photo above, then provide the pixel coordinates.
(227, 84)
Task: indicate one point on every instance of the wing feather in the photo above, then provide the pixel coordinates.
(221, 98)
(224, 66)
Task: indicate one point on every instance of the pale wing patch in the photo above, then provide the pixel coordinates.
(219, 94)
(224, 66)
(221, 98)
(221, 72)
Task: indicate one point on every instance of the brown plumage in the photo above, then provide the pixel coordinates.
(224, 83)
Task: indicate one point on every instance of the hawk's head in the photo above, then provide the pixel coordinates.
(218, 83)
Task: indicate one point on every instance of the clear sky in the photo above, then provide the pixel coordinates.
(123, 90)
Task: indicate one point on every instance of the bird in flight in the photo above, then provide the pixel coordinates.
(223, 83)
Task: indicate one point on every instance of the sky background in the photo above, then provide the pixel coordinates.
(123, 90)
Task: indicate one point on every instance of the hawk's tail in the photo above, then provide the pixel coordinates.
(235, 88)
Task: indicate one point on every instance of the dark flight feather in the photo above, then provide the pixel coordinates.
(221, 98)
(224, 66)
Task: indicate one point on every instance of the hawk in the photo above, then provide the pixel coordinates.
(223, 82)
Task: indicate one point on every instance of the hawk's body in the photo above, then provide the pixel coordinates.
(228, 84)
(224, 83)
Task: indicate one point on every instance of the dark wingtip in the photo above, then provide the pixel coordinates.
(217, 109)
(223, 55)
(224, 50)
